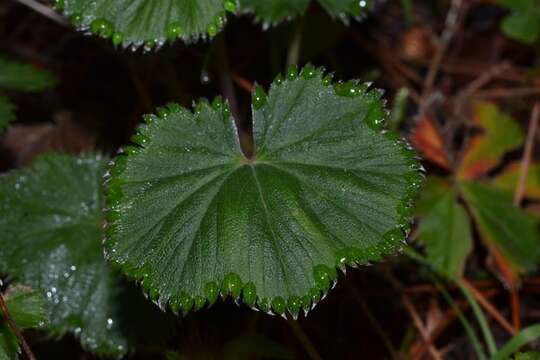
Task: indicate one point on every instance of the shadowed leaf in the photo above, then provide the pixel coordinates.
(444, 227)
(28, 309)
(504, 228)
(19, 76)
(51, 227)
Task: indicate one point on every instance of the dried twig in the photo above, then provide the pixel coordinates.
(451, 27)
(304, 339)
(527, 155)
(489, 308)
(44, 10)
(435, 354)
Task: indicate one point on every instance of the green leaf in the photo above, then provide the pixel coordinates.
(444, 227)
(9, 347)
(527, 356)
(522, 26)
(19, 76)
(7, 113)
(51, 230)
(511, 230)
(27, 309)
(524, 337)
(191, 217)
(148, 23)
(501, 134)
(275, 11)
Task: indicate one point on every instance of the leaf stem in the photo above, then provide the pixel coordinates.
(5, 313)
(293, 54)
(304, 339)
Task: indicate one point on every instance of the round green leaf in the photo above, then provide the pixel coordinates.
(190, 216)
(147, 23)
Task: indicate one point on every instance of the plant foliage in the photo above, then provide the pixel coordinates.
(152, 23)
(51, 226)
(28, 309)
(191, 217)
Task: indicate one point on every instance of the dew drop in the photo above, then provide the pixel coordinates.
(59, 5)
(200, 302)
(102, 27)
(259, 97)
(232, 285)
(186, 303)
(211, 291)
(205, 77)
(230, 5)
(324, 276)
(212, 29)
(226, 111)
(117, 38)
(292, 72)
(173, 31)
(264, 305)
(217, 103)
(163, 113)
(76, 19)
(394, 236)
(249, 294)
(327, 80)
(309, 72)
(278, 80)
(278, 305)
(293, 305)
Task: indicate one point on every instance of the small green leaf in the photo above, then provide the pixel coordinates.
(27, 309)
(190, 216)
(7, 113)
(9, 347)
(522, 26)
(51, 227)
(275, 11)
(139, 23)
(19, 76)
(511, 230)
(444, 227)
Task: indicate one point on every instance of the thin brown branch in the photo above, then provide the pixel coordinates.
(502, 93)
(15, 329)
(45, 11)
(373, 321)
(484, 79)
(527, 155)
(407, 303)
(497, 316)
(243, 83)
(420, 327)
(451, 27)
(304, 339)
